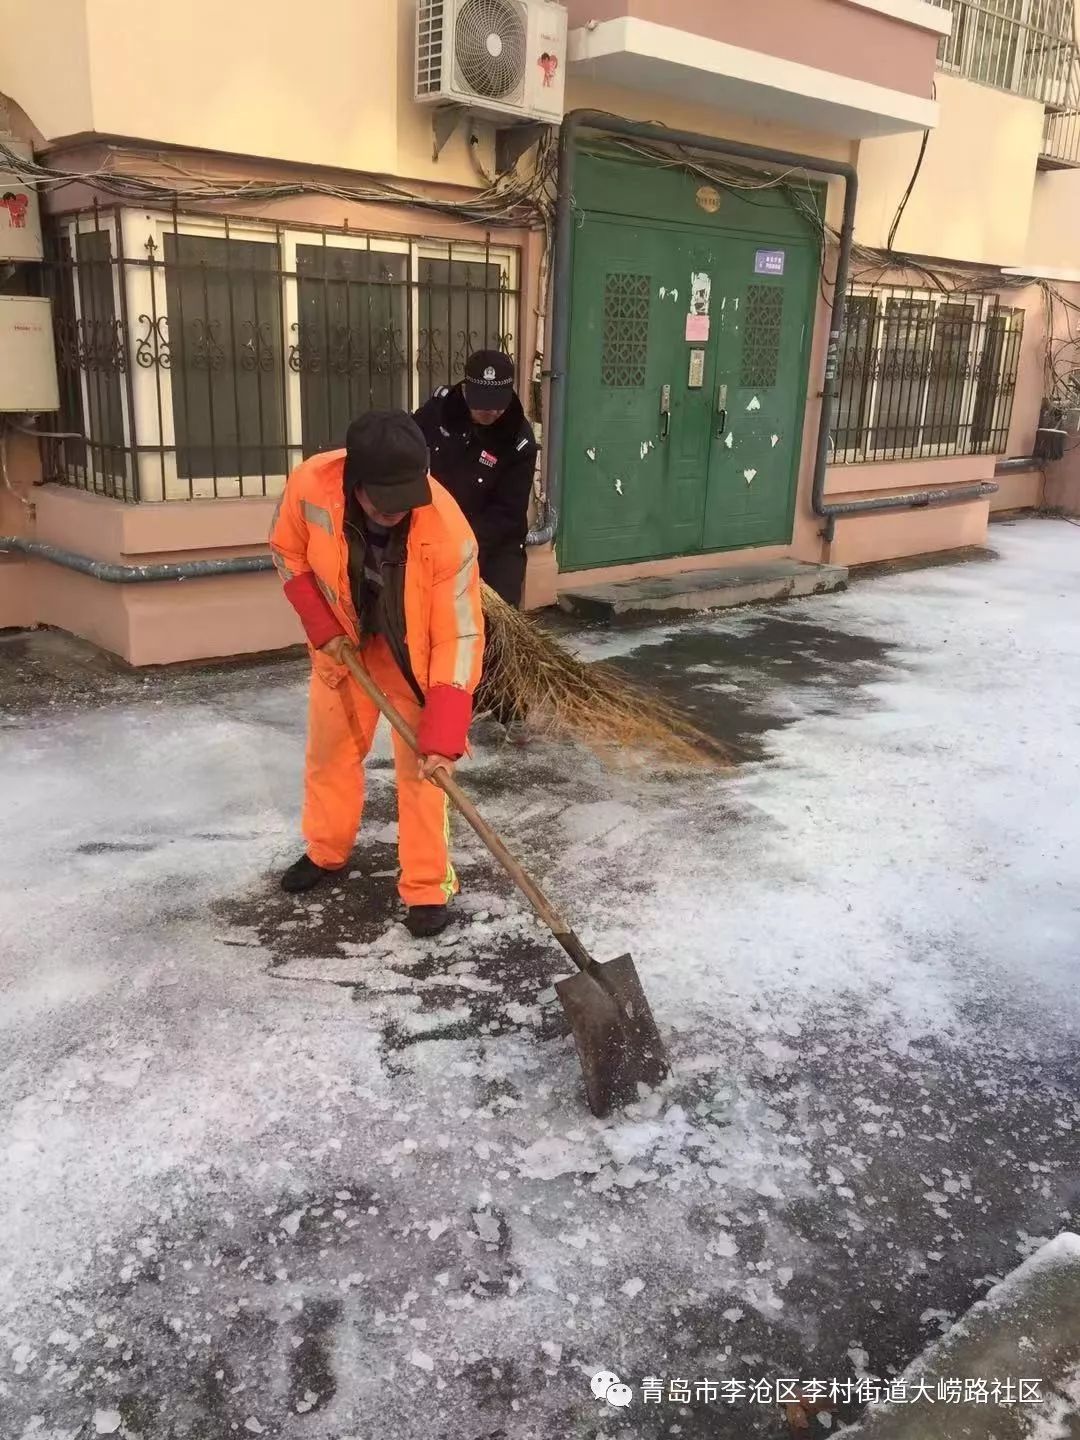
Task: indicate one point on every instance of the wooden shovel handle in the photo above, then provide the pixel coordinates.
(461, 802)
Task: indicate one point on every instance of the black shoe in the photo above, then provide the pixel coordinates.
(423, 921)
(304, 874)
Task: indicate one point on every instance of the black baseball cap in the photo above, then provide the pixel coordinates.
(489, 380)
(386, 453)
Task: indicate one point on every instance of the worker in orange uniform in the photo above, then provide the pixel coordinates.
(375, 552)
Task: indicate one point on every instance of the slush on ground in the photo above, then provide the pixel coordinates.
(272, 1167)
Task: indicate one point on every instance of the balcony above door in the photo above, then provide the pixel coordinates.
(855, 68)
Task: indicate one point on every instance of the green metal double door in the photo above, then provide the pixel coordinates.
(686, 389)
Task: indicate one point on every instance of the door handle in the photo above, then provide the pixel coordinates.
(721, 407)
(665, 411)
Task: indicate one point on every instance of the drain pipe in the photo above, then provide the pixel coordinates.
(555, 427)
(135, 574)
(578, 120)
(1017, 464)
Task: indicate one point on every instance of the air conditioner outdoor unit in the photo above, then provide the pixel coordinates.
(505, 56)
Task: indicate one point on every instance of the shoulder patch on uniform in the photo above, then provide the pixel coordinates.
(523, 442)
(441, 391)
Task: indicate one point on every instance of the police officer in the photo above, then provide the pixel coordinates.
(484, 452)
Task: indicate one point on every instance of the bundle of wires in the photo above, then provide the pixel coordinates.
(1050, 436)
(510, 199)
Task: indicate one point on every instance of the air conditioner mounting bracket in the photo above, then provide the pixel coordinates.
(444, 122)
(512, 141)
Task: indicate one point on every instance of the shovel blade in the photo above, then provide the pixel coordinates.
(617, 1041)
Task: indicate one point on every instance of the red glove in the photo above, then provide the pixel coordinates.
(444, 722)
(319, 621)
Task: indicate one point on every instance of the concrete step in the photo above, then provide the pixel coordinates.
(703, 589)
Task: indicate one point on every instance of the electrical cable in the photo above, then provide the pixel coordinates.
(508, 200)
(871, 268)
(911, 183)
(511, 199)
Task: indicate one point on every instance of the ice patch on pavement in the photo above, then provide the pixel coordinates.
(890, 865)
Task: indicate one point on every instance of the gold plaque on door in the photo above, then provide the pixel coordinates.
(708, 199)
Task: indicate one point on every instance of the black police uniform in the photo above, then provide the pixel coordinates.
(489, 471)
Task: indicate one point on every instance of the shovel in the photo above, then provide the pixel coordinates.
(616, 1036)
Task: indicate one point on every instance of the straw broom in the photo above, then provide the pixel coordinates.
(593, 704)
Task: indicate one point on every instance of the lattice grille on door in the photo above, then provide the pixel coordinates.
(624, 361)
(761, 335)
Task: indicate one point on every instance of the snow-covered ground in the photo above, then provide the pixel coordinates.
(275, 1168)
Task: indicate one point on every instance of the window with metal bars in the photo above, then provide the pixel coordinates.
(351, 353)
(1025, 46)
(204, 357)
(223, 300)
(924, 374)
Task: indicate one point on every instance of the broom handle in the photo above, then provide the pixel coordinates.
(446, 782)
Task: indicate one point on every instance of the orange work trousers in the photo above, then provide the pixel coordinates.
(341, 727)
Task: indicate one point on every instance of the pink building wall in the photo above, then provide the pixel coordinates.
(22, 473)
(156, 623)
(1062, 490)
(159, 622)
(826, 34)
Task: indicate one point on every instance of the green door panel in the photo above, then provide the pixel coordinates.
(762, 354)
(610, 184)
(664, 314)
(631, 489)
(697, 254)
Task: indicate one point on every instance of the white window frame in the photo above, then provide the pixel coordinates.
(506, 257)
(867, 451)
(90, 224)
(147, 297)
(377, 244)
(146, 391)
(1015, 318)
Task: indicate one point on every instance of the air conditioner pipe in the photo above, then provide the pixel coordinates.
(578, 120)
(136, 574)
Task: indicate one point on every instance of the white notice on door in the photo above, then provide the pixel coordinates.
(700, 292)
